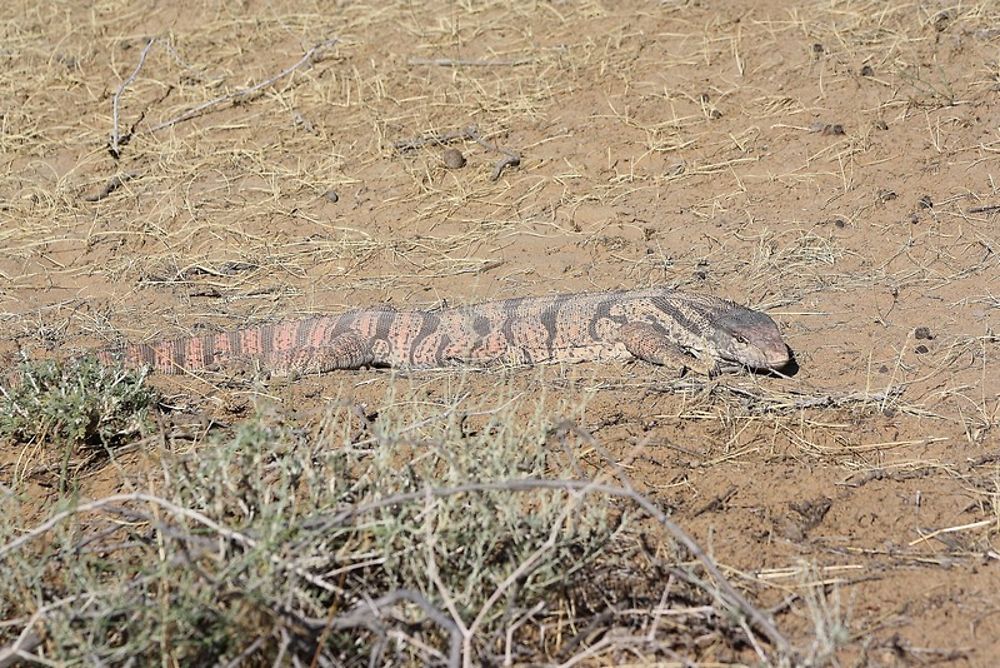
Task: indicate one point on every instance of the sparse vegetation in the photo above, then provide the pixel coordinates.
(368, 540)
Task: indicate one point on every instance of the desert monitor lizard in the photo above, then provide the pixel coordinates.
(661, 326)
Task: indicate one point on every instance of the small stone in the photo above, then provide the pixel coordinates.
(881, 125)
(923, 333)
(453, 158)
(921, 349)
(331, 196)
(818, 48)
(867, 71)
(886, 195)
(925, 202)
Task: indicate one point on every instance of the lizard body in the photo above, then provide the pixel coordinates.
(658, 325)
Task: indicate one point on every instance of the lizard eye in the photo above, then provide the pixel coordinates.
(741, 339)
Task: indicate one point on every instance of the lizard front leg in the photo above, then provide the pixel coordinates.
(645, 342)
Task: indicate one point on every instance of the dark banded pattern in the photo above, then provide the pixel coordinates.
(657, 325)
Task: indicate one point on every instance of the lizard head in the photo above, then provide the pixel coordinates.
(750, 338)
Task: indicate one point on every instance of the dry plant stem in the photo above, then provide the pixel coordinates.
(626, 485)
(197, 110)
(509, 633)
(522, 571)
(726, 593)
(20, 649)
(404, 145)
(115, 102)
(169, 507)
(116, 182)
(364, 614)
(464, 62)
(367, 613)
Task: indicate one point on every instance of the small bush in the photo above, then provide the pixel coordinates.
(343, 544)
(83, 402)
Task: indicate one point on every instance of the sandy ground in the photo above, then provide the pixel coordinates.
(831, 163)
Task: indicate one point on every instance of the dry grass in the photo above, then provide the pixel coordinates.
(442, 541)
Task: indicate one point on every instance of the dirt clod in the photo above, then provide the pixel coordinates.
(453, 158)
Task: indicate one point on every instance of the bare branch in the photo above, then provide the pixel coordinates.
(726, 593)
(197, 110)
(466, 62)
(20, 649)
(368, 613)
(116, 100)
(404, 145)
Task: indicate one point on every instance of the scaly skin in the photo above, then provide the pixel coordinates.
(661, 326)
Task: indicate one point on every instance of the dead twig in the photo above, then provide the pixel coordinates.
(109, 503)
(117, 141)
(992, 208)
(116, 182)
(465, 62)
(20, 649)
(244, 92)
(404, 145)
(369, 612)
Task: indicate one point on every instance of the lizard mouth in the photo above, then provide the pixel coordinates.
(777, 357)
(774, 357)
(770, 358)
